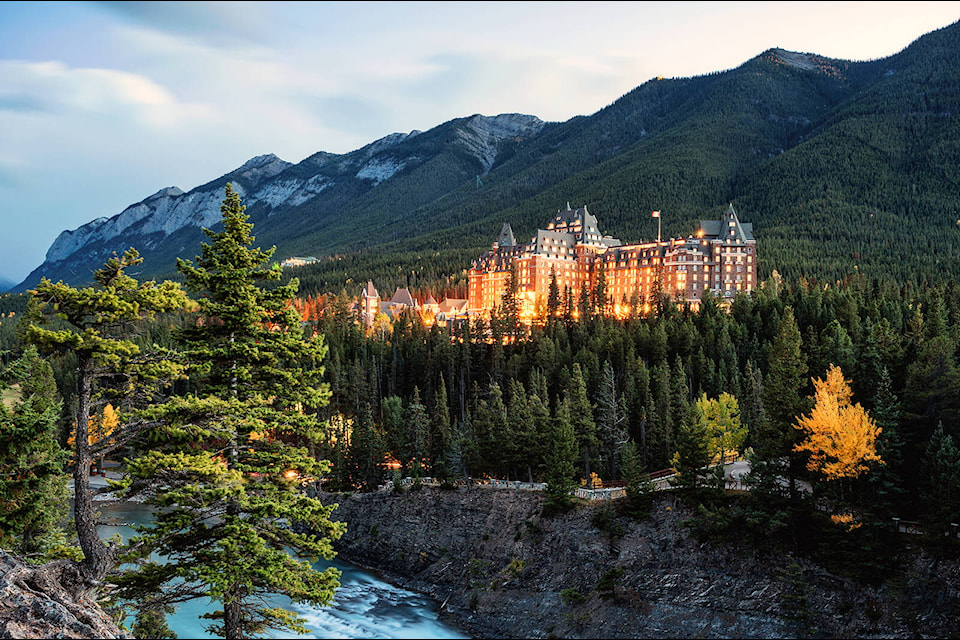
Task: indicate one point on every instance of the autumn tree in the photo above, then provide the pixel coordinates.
(226, 474)
(721, 417)
(95, 323)
(839, 436)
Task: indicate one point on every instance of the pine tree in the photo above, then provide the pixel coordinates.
(233, 523)
(395, 430)
(418, 429)
(32, 482)
(441, 431)
(515, 450)
(753, 414)
(783, 401)
(366, 452)
(940, 488)
(95, 324)
(639, 488)
(561, 462)
(553, 295)
(581, 417)
(693, 452)
(611, 420)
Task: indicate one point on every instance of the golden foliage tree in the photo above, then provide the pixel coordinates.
(840, 437)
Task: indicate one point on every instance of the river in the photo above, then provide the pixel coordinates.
(364, 606)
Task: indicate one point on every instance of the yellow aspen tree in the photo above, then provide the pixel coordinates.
(840, 437)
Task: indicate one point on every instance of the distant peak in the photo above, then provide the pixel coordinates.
(389, 141)
(799, 60)
(259, 161)
(166, 192)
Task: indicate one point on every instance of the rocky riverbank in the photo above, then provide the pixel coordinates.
(47, 601)
(503, 571)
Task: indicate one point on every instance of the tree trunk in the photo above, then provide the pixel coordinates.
(232, 620)
(98, 558)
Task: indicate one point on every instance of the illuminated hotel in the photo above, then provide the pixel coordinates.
(721, 257)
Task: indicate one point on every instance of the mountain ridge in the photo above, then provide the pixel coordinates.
(807, 147)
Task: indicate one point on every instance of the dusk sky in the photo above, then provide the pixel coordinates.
(104, 103)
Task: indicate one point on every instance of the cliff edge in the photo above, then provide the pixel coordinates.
(501, 570)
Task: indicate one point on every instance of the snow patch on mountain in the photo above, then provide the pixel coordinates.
(278, 192)
(380, 169)
(310, 189)
(386, 142)
(482, 134)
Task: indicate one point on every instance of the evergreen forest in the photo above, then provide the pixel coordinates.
(242, 395)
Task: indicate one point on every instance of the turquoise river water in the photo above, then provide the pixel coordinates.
(364, 607)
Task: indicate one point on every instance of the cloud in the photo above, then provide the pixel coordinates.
(226, 24)
(53, 88)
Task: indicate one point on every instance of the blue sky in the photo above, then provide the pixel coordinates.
(104, 103)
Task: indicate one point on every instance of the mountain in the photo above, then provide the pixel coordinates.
(168, 224)
(6, 285)
(841, 166)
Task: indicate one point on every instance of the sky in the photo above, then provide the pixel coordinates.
(104, 103)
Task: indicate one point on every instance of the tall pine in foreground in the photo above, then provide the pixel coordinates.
(97, 324)
(234, 524)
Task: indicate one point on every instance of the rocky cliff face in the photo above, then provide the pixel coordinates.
(47, 602)
(503, 571)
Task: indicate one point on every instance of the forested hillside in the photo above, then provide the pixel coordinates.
(841, 166)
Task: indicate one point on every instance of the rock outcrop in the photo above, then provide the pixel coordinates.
(47, 601)
(503, 571)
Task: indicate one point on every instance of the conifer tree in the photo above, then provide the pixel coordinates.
(783, 401)
(887, 483)
(940, 488)
(639, 487)
(418, 429)
(611, 420)
(693, 452)
(233, 523)
(553, 295)
(33, 499)
(395, 430)
(95, 324)
(441, 431)
(515, 450)
(561, 460)
(366, 452)
(581, 418)
(752, 413)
